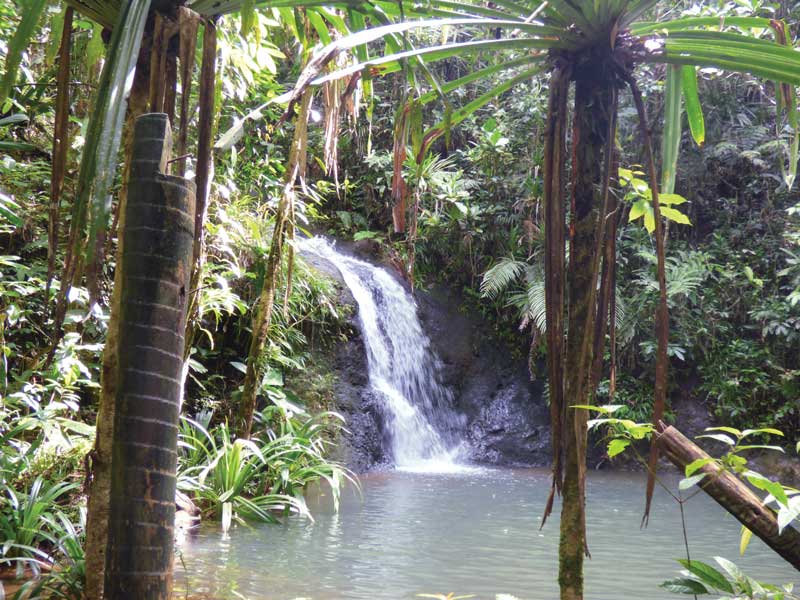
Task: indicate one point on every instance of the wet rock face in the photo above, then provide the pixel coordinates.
(507, 421)
(362, 447)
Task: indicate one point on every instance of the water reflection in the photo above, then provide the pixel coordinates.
(474, 533)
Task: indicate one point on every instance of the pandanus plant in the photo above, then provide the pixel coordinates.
(590, 49)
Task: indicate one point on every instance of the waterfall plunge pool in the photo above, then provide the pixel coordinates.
(474, 532)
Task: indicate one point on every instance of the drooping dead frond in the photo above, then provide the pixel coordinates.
(554, 264)
(331, 102)
(188, 24)
(92, 203)
(662, 313)
(587, 343)
(399, 188)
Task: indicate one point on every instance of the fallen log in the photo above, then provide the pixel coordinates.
(732, 494)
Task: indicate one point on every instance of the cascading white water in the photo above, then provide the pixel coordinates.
(403, 369)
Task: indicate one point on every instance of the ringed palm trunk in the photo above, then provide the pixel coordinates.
(594, 105)
(156, 269)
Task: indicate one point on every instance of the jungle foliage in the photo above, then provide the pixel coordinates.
(473, 190)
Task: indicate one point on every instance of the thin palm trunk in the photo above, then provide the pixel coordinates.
(205, 169)
(266, 301)
(594, 115)
(60, 144)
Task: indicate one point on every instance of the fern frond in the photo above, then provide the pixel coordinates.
(497, 279)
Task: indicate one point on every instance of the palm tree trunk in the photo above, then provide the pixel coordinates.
(156, 269)
(594, 106)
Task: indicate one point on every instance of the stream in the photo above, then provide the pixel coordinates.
(433, 525)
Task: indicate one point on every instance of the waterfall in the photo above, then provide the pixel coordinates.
(403, 369)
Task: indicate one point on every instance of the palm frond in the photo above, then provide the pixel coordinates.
(729, 51)
(99, 160)
(25, 30)
(694, 111)
(671, 140)
(104, 12)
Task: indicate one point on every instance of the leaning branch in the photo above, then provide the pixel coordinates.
(732, 494)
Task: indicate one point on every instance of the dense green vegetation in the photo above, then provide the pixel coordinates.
(477, 224)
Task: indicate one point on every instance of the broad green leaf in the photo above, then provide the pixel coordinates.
(733, 431)
(674, 215)
(770, 62)
(248, 17)
(104, 12)
(7, 204)
(769, 430)
(638, 209)
(693, 466)
(15, 119)
(95, 47)
(670, 199)
(708, 575)
(720, 437)
(31, 12)
(462, 113)
(761, 447)
(643, 208)
(773, 487)
(730, 568)
(617, 446)
(605, 409)
(56, 30)
(17, 146)
(684, 585)
(788, 513)
(319, 25)
(394, 62)
(691, 22)
(688, 482)
(694, 111)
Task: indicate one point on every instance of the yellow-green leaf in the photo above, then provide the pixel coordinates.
(248, 16)
(744, 540)
(675, 215)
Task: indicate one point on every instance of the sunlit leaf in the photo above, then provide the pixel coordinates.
(694, 111)
(708, 575)
(32, 11)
